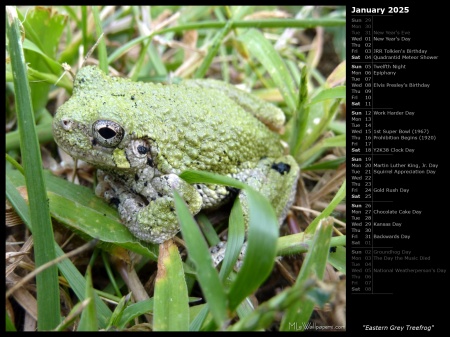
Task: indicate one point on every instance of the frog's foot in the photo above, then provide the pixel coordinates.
(129, 206)
(150, 220)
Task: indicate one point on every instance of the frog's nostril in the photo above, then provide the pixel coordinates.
(66, 124)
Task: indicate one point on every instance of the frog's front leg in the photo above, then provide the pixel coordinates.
(152, 220)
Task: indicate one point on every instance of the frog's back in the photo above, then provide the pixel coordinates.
(203, 129)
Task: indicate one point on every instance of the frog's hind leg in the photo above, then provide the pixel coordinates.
(276, 180)
(286, 172)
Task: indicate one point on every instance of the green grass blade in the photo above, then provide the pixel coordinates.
(109, 272)
(9, 325)
(197, 322)
(245, 308)
(338, 259)
(262, 49)
(53, 65)
(171, 304)
(84, 28)
(72, 316)
(299, 122)
(44, 133)
(150, 56)
(308, 155)
(72, 14)
(14, 164)
(192, 176)
(102, 57)
(324, 112)
(34, 75)
(40, 76)
(207, 276)
(236, 236)
(212, 52)
(127, 46)
(313, 267)
(338, 127)
(47, 281)
(331, 93)
(325, 165)
(207, 229)
(297, 244)
(134, 310)
(261, 248)
(194, 311)
(88, 320)
(336, 141)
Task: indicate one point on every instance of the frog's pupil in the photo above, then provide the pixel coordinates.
(107, 133)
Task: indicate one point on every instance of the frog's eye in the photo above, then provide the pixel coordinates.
(107, 133)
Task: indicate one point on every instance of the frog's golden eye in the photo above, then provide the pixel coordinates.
(107, 133)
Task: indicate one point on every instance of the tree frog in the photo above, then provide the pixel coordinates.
(142, 136)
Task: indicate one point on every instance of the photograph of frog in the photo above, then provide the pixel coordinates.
(187, 159)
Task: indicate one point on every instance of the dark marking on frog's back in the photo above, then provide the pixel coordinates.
(281, 167)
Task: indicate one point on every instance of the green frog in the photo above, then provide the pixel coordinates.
(142, 136)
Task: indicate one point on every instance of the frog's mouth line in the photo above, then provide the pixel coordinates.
(93, 154)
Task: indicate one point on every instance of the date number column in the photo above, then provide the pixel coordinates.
(360, 170)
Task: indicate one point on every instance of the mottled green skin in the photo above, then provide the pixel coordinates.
(186, 126)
